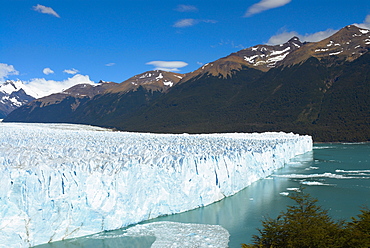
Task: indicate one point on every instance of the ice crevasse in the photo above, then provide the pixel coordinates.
(61, 181)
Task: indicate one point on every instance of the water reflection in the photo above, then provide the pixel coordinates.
(110, 240)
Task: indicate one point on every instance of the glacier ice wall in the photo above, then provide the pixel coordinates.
(61, 181)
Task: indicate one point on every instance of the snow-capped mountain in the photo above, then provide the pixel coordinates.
(156, 80)
(347, 44)
(59, 107)
(260, 57)
(13, 94)
(264, 57)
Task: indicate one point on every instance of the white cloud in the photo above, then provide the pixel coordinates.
(47, 71)
(264, 5)
(168, 65)
(318, 36)
(185, 23)
(45, 10)
(190, 22)
(186, 8)
(42, 87)
(110, 64)
(284, 36)
(208, 21)
(6, 70)
(365, 24)
(71, 71)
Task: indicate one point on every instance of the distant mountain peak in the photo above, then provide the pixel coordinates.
(294, 38)
(264, 57)
(156, 80)
(347, 44)
(12, 96)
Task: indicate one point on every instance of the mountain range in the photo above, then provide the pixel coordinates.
(317, 88)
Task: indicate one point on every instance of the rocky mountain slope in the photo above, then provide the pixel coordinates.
(260, 57)
(319, 88)
(156, 80)
(58, 107)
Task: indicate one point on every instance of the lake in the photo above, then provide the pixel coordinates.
(338, 175)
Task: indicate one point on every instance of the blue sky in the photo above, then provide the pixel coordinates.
(112, 40)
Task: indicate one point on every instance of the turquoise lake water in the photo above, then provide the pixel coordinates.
(338, 175)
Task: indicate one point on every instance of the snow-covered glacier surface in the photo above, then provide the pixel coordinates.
(61, 181)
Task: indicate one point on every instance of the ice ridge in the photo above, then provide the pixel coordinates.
(62, 181)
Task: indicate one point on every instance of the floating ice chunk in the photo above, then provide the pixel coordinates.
(284, 193)
(293, 189)
(352, 171)
(313, 183)
(323, 175)
(174, 234)
(322, 147)
(312, 168)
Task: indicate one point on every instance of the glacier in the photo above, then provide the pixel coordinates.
(61, 181)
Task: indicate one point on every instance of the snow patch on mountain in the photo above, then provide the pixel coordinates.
(160, 76)
(269, 56)
(335, 53)
(168, 83)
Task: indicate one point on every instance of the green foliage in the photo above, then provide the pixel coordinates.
(358, 231)
(307, 225)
